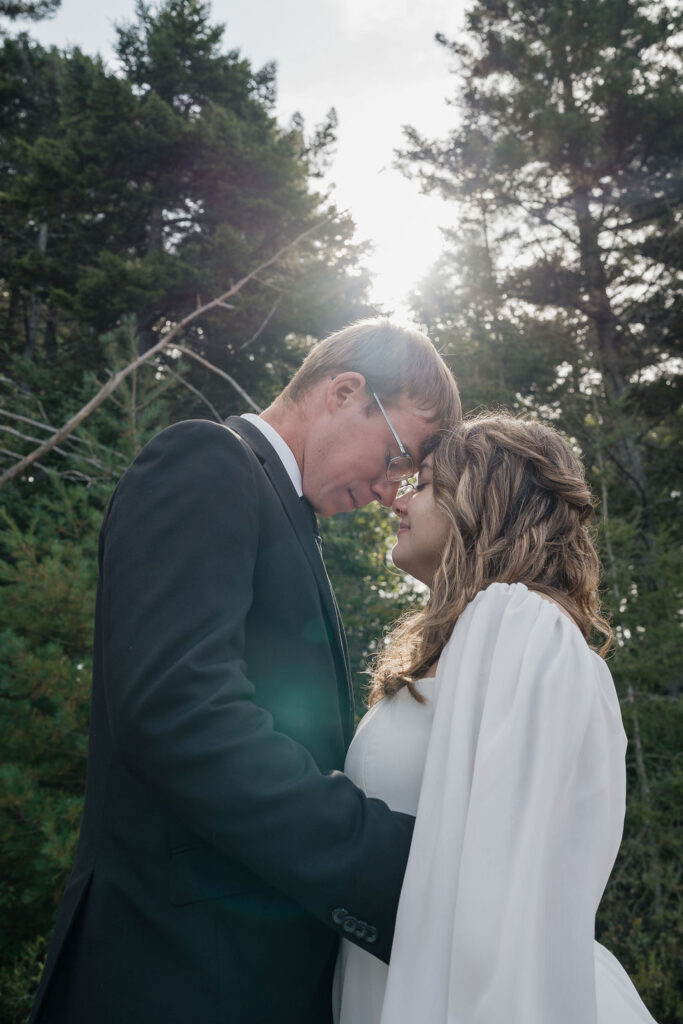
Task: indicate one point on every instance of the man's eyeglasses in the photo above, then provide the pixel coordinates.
(407, 488)
(400, 468)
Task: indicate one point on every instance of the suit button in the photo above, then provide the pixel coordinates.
(339, 915)
(361, 929)
(371, 934)
(350, 924)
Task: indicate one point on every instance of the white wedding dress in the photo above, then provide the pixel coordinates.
(514, 768)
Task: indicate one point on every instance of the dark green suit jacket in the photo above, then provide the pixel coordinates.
(222, 852)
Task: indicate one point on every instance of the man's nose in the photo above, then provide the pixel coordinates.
(386, 491)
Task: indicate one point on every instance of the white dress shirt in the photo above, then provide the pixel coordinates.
(285, 453)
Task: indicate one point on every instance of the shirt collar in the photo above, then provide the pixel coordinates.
(284, 452)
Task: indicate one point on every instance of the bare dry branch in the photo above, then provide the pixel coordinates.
(49, 426)
(69, 474)
(26, 392)
(60, 451)
(263, 325)
(164, 342)
(221, 373)
(196, 391)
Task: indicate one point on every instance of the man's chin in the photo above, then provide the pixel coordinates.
(342, 501)
(325, 509)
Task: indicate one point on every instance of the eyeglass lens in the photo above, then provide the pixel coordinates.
(399, 469)
(404, 489)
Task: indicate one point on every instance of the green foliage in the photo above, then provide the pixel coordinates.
(370, 591)
(32, 9)
(46, 602)
(649, 861)
(150, 192)
(19, 981)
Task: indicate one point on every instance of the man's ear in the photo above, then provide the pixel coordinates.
(345, 388)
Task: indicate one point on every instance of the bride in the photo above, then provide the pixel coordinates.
(496, 723)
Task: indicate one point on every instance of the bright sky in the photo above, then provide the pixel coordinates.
(376, 62)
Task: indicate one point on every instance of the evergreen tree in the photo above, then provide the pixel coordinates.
(570, 152)
(149, 192)
(560, 296)
(34, 10)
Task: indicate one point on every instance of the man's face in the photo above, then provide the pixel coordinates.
(348, 449)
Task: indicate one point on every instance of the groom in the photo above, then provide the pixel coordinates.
(222, 852)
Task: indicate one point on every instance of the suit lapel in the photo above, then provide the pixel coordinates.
(304, 523)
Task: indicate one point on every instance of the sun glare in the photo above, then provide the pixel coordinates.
(403, 228)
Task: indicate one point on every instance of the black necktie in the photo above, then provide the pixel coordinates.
(309, 512)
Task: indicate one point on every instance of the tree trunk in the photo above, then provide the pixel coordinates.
(50, 334)
(33, 319)
(607, 327)
(14, 297)
(607, 332)
(496, 303)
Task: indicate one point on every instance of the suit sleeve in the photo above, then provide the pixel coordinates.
(518, 824)
(180, 544)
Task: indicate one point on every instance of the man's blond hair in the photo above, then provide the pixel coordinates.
(396, 361)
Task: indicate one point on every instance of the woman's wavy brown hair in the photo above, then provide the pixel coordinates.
(519, 510)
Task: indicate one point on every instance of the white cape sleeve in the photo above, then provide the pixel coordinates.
(519, 821)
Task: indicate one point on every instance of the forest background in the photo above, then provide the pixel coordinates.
(167, 253)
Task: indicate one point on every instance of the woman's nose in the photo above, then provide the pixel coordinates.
(398, 505)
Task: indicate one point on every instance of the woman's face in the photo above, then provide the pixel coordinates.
(422, 528)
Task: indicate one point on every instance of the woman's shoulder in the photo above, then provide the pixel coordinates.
(519, 623)
(515, 600)
(514, 648)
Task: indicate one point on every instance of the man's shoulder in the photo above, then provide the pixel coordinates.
(204, 435)
(199, 461)
(193, 429)
(193, 450)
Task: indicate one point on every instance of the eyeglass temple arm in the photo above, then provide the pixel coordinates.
(391, 427)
